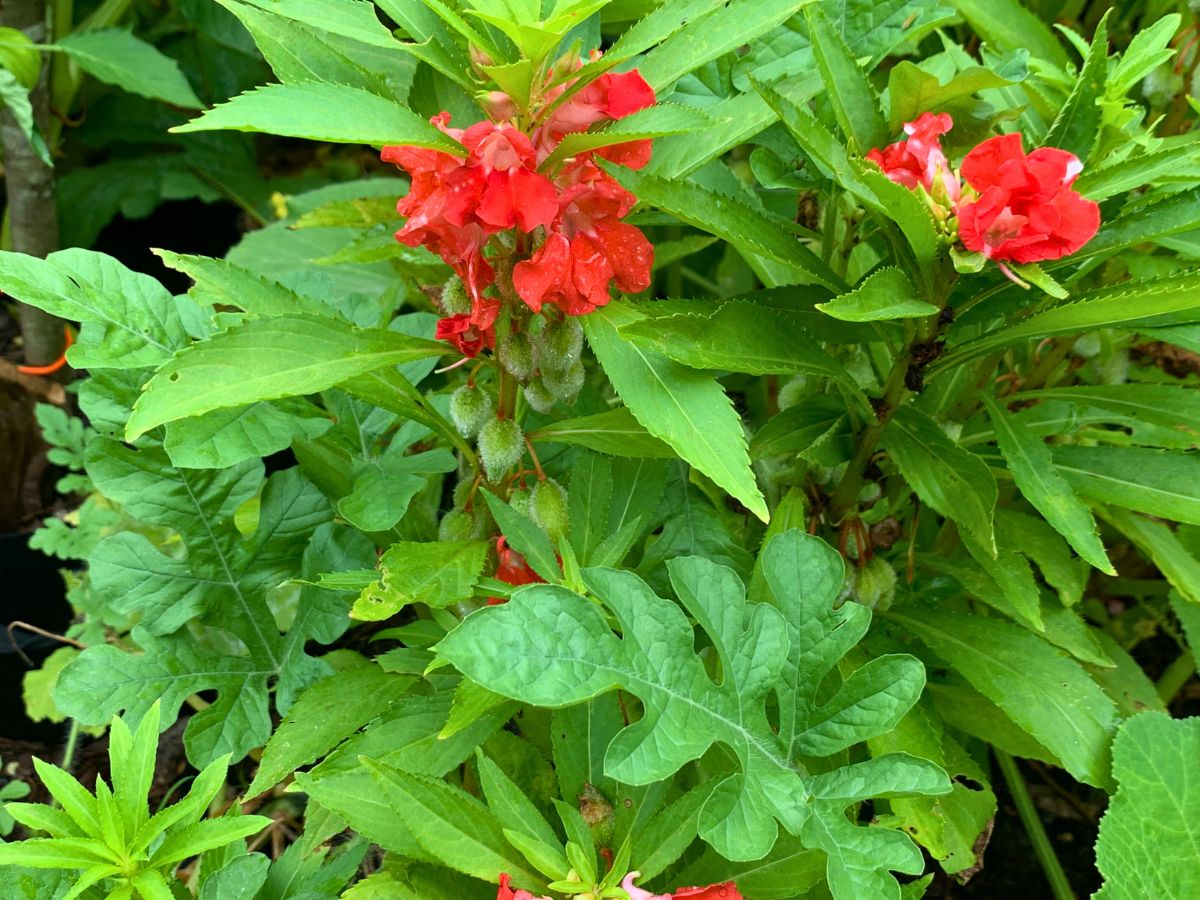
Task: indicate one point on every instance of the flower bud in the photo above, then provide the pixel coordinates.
(565, 386)
(875, 584)
(501, 445)
(470, 408)
(548, 508)
(455, 300)
(598, 815)
(498, 106)
(457, 525)
(516, 355)
(559, 344)
(539, 397)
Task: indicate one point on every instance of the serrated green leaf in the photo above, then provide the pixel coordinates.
(115, 56)
(654, 121)
(436, 574)
(524, 536)
(226, 437)
(1150, 831)
(854, 103)
(316, 111)
(1077, 125)
(1032, 467)
(1045, 692)
(1008, 25)
(953, 481)
(686, 409)
(615, 432)
(266, 359)
(1159, 482)
(323, 715)
(755, 231)
(129, 319)
(886, 294)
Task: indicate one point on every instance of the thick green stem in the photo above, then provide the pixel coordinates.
(1178, 674)
(1059, 885)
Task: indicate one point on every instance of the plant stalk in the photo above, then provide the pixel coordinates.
(1060, 886)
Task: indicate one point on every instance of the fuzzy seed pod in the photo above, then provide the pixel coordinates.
(455, 301)
(538, 396)
(875, 585)
(516, 355)
(501, 445)
(456, 525)
(558, 346)
(520, 501)
(565, 386)
(548, 507)
(470, 408)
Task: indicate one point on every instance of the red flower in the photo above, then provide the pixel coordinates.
(507, 893)
(1027, 210)
(512, 193)
(511, 568)
(727, 890)
(611, 96)
(588, 248)
(919, 160)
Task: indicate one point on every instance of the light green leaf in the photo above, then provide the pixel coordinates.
(1032, 467)
(436, 574)
(383, 487)
(317, 112)
(1151, 831)
(1100, 183)
(115, 56)
(912, 91)
(129, 319)
(1008, 25)
(220, 282)
(524, 536)
(953, 481)
(654, 121)
(707, 37)
(266, 359)
(14, 96)
(452, 826)
(1158, 541)
(788, 645)
(685, 408)
(322, 716)
(1044, 691)
(616, 433)
(226, 437)
(886, 294)
(855, 105)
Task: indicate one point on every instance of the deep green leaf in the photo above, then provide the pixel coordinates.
(115, 56)
(851, 95)
(1159, 482)
(616, 433)
(886, 294)
(1078, 123)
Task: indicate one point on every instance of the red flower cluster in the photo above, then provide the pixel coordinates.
(511, 568)
(1027, 210)
(507, 893)
(457, 203)
(1020, 208)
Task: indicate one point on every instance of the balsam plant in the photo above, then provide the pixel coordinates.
(752, 415)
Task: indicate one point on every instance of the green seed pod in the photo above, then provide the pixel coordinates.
(875, 585)
(462, 491)
(456, 525)
(548, 508)
(565, 386)
(598, 815)
(470, 408)
(520, 501)
(455, 300)
(501, 445)
(792, 392)
(558, 346)
(516, 355)
(538, 396)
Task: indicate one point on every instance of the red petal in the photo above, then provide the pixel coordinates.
(982, 166)
(627, 93)
(629, 253)
(537, 276)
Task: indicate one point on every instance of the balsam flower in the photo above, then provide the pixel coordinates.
(727, 890)
(611, 96)
(1027, 210)
(919, 159)
(588, 247)
(511, 568)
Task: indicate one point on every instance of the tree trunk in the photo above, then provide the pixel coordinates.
(33, 229)
(32, 208)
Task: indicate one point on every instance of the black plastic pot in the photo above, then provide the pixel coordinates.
(32, 591)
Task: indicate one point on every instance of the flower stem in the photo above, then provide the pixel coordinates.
(1059, 885)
